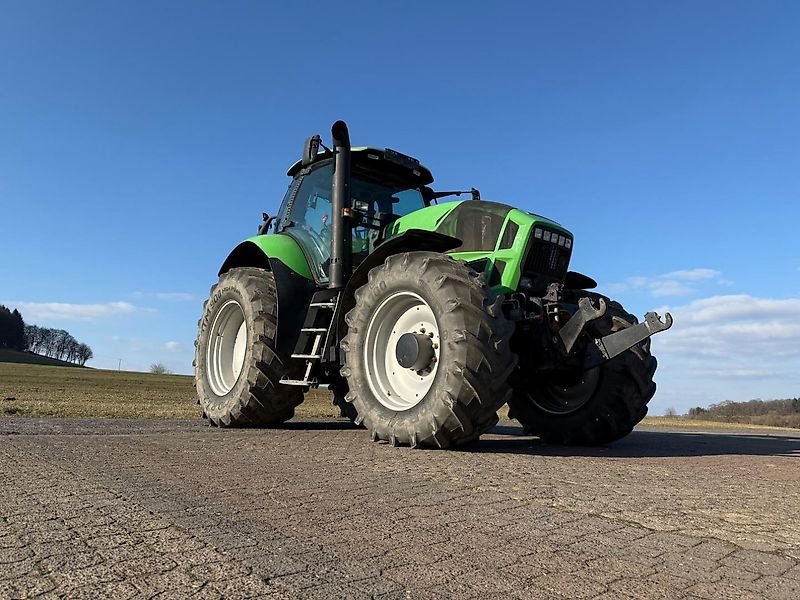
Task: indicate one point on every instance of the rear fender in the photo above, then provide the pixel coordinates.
(293, 280)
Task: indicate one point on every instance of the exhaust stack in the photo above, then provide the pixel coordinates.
(341, 233)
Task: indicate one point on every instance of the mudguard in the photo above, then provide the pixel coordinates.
(294, 282)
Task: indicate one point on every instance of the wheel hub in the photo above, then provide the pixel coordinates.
(566, 394)
(401, 350)
(414, 351)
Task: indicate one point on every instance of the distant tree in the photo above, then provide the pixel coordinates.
(159, 369)
(31, 337)
(17, 331)
(5, 326)
(12, 329)
(47, 337)
(84, 353)
(671, 412)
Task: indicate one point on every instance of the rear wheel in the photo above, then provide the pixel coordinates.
(598, 406)
(237, 369)
(346, 409)
(427, 352)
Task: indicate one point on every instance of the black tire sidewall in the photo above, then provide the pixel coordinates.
(230, 287)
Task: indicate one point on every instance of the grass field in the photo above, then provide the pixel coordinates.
(36, 390)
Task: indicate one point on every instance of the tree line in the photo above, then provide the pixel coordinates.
(783, 413)
(54, 343)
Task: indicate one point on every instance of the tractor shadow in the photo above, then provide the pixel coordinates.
(318, 424)
(647, 443)
(643, 442)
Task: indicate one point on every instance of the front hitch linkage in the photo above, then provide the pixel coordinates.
(614, 343)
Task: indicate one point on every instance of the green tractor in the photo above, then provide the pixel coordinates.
(422, 318)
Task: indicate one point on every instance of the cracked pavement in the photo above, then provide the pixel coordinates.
(144, 509)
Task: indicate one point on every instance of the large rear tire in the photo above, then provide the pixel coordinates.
(447, 389)
(237, 369)
(594, 407)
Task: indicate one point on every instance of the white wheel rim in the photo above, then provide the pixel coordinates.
(227, 345)
(396, 387)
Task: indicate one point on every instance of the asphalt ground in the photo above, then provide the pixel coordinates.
(141, 509)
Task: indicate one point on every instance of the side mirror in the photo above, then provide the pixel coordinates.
(310, 150)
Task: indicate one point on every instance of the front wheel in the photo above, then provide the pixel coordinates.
(427, 352)
(237, 369)
(588, 408)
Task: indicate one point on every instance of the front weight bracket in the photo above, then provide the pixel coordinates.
(572, 329)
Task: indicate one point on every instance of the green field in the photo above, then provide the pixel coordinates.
(36, 390)
(45, 391)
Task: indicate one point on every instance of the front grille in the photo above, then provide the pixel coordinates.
(548, 259)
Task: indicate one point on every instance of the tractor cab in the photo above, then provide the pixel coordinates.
(384, 186)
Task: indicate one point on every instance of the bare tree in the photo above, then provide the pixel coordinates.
(160, 369)
(84, 353)
(671, 412)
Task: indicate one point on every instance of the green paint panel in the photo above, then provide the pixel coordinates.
(427, 219)
(513, 257)
(285, 249)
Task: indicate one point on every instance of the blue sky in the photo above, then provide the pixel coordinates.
(140, 141)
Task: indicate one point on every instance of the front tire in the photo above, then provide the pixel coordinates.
(237, 368)
(454, 379)
(594, 407)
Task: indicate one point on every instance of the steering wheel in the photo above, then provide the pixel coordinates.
(322, 247)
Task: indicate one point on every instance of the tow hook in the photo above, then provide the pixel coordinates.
(616, 343)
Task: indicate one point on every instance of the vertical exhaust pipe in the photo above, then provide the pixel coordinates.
(341, 232)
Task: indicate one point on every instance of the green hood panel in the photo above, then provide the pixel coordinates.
(495, 237)
(427, 219)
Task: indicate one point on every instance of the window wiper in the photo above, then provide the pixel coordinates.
(476, 195)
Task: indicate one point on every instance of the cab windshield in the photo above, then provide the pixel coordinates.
(309, 218)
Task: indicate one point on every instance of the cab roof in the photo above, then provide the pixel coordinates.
(366, 155)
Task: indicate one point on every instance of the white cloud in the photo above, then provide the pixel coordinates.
(166, 296)
(675, 283)
(693, 274)
(740, 307)
(736, 347)
(735, 326)
(44, 311)
(173, 346)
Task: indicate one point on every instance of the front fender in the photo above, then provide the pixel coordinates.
(294, 283)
